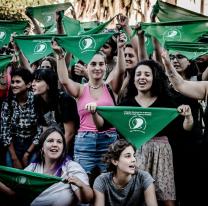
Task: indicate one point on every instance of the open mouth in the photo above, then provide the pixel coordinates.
(142, 83)
(132, 166)
(54, 150)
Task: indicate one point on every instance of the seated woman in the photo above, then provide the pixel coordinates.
(52, 159)
(123, 184)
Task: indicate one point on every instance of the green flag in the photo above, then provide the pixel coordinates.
(84, 47)
(9, 27)
(4, 61)
(89, 25)
(52, 30)
(72, 26)
(27, 185)
(98, 29)
(190, 50)
(35, 47)
(186, 31)
(48, 27)
(169, 12)
(137, 124)
(47, 14)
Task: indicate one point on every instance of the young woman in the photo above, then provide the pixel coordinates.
(48, 63)
(54, 107)
(149, 88)
(123, 184)
(52, 159)
(90, 144)
(20, 130)
(196, 90)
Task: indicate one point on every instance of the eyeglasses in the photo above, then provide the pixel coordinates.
(178, 57)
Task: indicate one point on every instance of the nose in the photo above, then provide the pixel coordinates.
(97, 67)
(127, 57)
(175, 59)
(133, 159)
(54, 143)
(101, 49)
(33, 83)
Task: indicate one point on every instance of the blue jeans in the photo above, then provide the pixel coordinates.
(89, 148)
(20, 147)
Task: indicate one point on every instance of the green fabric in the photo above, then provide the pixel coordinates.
(35, 47)
(190, 50)
(89, 25)
(74, 61)
(47, 14)
(9, 27)
(4, 61)
(47, 27)
(137, 124)
(28, 185)
(98, 29)
(72, 26)
(84, 47)
(52, 30)
(186, 31)
(169, 12)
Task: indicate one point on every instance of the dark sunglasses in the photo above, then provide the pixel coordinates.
(179, 57)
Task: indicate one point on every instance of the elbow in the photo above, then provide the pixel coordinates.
(87, 198)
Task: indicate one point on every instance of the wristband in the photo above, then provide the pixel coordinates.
(169, 74)
(61, 57)
(28, 152)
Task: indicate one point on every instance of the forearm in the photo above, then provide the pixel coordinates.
(142, 51)
(68, 57)
(158, 50)
(4, 79)
(37, 27)
(205, 75)
(60, 27)
(97, 120)
(6, 190)
(12, 151)
(188, 123)
(85, 194)
(31, 148)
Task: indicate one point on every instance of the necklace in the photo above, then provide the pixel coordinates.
(95, 87)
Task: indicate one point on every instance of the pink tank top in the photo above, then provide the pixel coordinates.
(86, 123)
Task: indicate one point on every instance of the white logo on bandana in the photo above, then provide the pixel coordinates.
(137, 123)
(87, 43)
(2, 35)
(48, 18)
(40, 48)
(172, 35)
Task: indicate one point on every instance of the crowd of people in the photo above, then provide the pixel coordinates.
(50, 124)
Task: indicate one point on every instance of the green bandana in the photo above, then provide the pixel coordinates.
(74, 61)
(190, 50)
(136, 124)
(28, 185)
(99, 28)
(35, 47)
(4, 61)
(47, 14)
(84, 47)
(9, 27)
(169, 12)
(176, 31)
(48, 27)
(52, 30)
(89, 25)
(72, 26)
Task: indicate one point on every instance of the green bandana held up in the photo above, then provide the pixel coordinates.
(9, 27)
(47, 14)
(136, 124)
(35, 47)
(190, 50)
(28, 185)
(176, 31)
(48, 27)
(169, 12)
(52, 30)
(4, 61)
(89, 25)
(84, 47)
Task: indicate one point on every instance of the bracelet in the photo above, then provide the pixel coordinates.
(93, 112)
(5, 83)
(169, 74)
(28, 152)
(61, 57)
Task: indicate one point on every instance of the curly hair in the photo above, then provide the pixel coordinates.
(114, 152)
(160, 84)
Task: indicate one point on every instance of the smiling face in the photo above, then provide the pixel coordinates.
(39, 87)
(143, 78)
(96, 67)
(18, 85)
(130, 58)
(181, 63)
(53, 146)
(127, 161)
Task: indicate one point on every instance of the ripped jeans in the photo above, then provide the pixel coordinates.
(89, 148)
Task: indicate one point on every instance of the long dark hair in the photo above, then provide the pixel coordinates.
(192, 69)
(114, 152)
(52, 62)
(160, 81)
(51, 80)
(63, 159)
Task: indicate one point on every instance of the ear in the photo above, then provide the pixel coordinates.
(114, 162)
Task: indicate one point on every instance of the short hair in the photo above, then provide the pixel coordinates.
(25, 74)
(128, 45)
(62, 159)
(114, 152)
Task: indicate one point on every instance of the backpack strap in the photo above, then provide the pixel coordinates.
(111, 93)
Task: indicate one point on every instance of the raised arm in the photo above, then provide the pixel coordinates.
(73, 88)
(118, 76)
(142, 51)
(196, 90)
(124, 22)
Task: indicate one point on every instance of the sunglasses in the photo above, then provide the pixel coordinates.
(178, 57)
